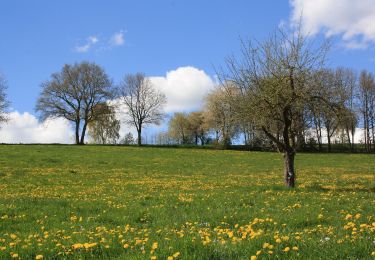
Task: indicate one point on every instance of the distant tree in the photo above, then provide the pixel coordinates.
(143, 102)
(197, 126)
(105, 128)
(367, 107)
(128, 139)
(220, 114)
(274, 79)
(73, 94)
(4, 104)
(179, 128)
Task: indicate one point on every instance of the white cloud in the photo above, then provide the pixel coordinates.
(184, 87)
(25, 128)
(117, 39)
(90, 41)
(352, 20)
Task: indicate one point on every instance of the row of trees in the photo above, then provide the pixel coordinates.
(84, 95)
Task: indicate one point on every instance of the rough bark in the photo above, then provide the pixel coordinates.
(289, 173)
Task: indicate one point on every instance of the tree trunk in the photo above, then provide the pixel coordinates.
(77, 132)
(289, 173)
(83, 134)
(139, 137)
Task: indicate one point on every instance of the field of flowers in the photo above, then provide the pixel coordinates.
(84, 202)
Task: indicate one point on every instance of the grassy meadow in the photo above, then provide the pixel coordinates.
(82, 202)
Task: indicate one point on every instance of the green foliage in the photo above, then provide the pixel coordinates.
(84, 202)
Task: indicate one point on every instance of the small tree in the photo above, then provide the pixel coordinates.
(274, 79)
(144, 103)
(197, 126)
(128, 139)
(73, 94)
(179, 128)
(105, 128)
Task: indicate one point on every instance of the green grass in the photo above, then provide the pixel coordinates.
(204, 204)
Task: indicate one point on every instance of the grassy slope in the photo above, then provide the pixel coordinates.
(202, 203)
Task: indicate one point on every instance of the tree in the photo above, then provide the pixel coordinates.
(105, 128)
(73, 94)
(197, 126)
(274, 79)
(4, 104)
(220, 114)
(367, 107)
(144, 103)
(128, 139)
(179, 128)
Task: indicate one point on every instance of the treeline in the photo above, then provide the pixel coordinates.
(322, 126)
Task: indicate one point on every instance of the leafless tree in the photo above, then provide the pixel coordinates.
(73, 94)
(144, 103)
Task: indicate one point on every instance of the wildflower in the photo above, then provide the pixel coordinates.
(170, 258)
(270, 252)
(295, 248)
(13, 236)
(287, 249)
(126, 246)
(278, 240)
(373, 253)
(38, 257)
(14, 255)
(348, 216)
(265, 245)
(154, 245)
(176, 254)
(357, 216)
(258, 252)
(153, 257)
(253, 257)
(320, 216)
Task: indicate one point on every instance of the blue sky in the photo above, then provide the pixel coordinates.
(156, 37)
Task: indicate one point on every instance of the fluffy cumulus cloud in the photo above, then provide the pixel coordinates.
(184, 87)
(352, 20)
(25, 128)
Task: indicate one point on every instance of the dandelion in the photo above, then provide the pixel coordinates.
(170, 258)
(154, 245)
(278, 240)
(176, 254)
(153, 257)
(13, 236)
(38, 257)
(126, 246)
(295, 248)
(287, 249)
(258, 252)
(253, 257)
(14, 255)
(265, 245)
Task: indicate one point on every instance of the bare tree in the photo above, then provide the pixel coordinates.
(274, 78)
(105, 129)
(143, 102)
(4, 104)
(73, 94)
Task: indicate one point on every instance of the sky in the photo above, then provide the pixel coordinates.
(177, 44)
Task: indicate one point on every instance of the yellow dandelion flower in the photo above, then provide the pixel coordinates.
(176, 254)
(270, 252)
(153, 257)
(38, 257)
(373, 253)
(154, 245)
(14, 255)
(258, 252)
(253, 257)
(126, 246)
(13, 236)
(265, 245)
(287, 249)
(170, 258)
(295, 248)
(278, 240)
